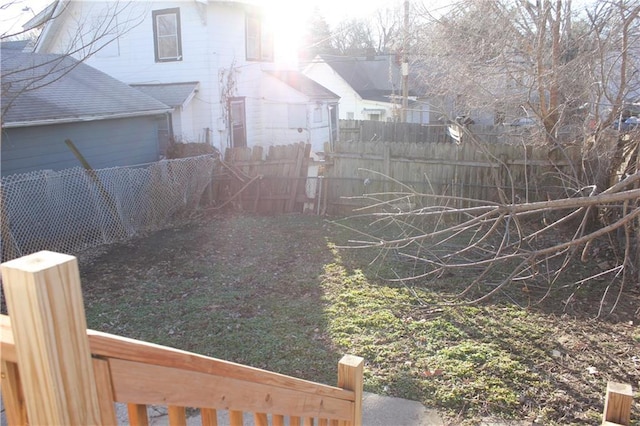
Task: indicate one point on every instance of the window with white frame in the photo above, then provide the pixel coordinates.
(259, 40)
(317, 114)
(167, 39)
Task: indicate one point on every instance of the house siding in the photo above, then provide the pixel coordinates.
(352, 106)
(278, 96)
(350, 101)
(213, 42)
(213, 47)
(104, 143)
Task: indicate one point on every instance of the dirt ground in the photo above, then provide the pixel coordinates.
(268, 292)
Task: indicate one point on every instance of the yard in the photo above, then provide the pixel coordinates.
(278, 293)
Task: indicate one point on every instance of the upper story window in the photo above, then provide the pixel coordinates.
(259, 40)
(167, 39)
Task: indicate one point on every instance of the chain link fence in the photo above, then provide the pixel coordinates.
(74, 209)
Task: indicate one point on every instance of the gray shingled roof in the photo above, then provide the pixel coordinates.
(19, 45)
(43, 89)
(304, 84)
(172, 94)
(373, 79)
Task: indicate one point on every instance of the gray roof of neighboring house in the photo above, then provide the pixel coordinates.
(304, 84)
(373, 78)
(172, 94)
(14, 45)
(42, 89)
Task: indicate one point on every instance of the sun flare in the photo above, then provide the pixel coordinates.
(287, 20)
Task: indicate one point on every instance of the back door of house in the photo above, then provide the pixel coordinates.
(238, 122)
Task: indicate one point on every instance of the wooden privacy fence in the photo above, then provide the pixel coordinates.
(471, 171)
(55, 371)
(275, 184)
(371, 131)
(367, 131)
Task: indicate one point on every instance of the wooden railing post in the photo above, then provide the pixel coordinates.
(44, 300)
(350, 377)
(617, 404)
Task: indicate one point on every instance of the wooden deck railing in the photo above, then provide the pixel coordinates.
(55, 371)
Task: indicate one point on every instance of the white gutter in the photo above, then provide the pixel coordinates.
(42, 38)
(15, 124)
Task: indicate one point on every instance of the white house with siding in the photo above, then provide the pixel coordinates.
(309, 115)
(210, 60)
(370, 88)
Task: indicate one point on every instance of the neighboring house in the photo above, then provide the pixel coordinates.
(47, 99)
(310, 115)
(178, 96)
(210, 59)
(370, 88)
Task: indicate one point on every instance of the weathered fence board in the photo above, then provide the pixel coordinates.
(488, 172)
(367, 131)
(271, 185)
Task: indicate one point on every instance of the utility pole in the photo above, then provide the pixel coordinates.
(405, 64)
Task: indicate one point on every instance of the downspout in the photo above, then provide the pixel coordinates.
(330, 125)
(170, 125)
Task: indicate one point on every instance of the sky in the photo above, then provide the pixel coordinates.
(334, 11)
(288, 32)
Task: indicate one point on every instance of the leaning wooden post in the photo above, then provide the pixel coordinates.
(350, 377)
(617, 404)
(44, 300)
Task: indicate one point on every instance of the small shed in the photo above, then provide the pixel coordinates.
(178, 96)
(48, 99)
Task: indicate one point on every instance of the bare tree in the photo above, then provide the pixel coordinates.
(564, 69)
(380, 33)
(317, 38)
(387, 26)
(354, 37)
(508, 57)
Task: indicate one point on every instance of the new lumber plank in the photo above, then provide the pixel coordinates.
(14, 405)
(209, 417)
(140, 383)
(617, 404)
(105, 391)
(260, 419)
(137, 415)
(112, 346)
(177, 416)
(44, 297)
(236, 418)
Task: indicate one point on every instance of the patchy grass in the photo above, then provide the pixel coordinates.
(278, 293)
